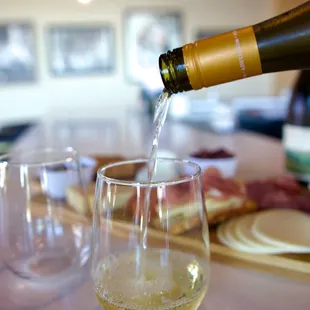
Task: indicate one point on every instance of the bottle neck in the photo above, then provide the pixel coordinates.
(173, 71)
(284, 41)
(224, 58)
(278, 44)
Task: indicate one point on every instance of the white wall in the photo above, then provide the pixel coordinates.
(50, 94)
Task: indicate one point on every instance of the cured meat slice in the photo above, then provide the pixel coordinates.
(212, 180)
(288, 184)
(280, 192)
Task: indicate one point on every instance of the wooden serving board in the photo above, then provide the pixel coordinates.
(294, 266)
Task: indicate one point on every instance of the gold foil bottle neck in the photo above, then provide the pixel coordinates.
(220, 59)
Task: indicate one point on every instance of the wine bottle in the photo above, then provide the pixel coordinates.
(278, 44)
(296, 131)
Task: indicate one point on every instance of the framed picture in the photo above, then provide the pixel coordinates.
(81, 50)
(149, 33)
(17, 53)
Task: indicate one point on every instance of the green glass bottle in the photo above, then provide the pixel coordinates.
(296, 131)
(278, 44)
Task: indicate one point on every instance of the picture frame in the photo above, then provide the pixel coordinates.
(147, 34)
(77, 50)
(18, 57)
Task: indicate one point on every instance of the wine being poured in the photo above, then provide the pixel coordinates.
(157, 271)
(161, 110)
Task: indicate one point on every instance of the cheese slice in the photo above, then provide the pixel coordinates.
(221, 234)
(243, 230)
(227, 235)
(284, 228)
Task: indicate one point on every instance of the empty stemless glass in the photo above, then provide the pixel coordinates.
(154, 257)
(40, 237)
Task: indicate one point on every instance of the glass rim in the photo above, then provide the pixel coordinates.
(134, 183)
(72, 155)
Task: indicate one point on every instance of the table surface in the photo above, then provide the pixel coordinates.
(258, 156)
(231, 288)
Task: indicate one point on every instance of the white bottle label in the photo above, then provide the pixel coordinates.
(296, 142)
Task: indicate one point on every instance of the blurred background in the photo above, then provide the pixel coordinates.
(94, 58)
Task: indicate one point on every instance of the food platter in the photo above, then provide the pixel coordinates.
(292, 265)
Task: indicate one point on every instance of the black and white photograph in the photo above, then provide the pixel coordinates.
(148, 33)
(17, 53)
(81, 50)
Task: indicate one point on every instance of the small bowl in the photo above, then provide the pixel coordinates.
(58, 179)
(227, 166)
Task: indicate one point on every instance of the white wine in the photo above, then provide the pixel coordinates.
(161, 111)
(170, 280)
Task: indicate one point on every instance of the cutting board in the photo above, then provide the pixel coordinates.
(295, 266)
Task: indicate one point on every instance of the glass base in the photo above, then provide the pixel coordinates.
(47, 266)
(17, 293)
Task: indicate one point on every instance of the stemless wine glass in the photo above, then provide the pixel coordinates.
(150, 255)
(41, 238)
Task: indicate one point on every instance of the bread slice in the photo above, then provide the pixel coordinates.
(228, 210)
(177, 211)
(183, 218)
(176, 218)
(177, 225)
(35, 188)
(76, 198)
(118, 199)
(117, 172)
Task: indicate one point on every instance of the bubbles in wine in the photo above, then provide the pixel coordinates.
(179, 282)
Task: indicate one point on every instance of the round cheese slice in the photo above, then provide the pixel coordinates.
(220, 233)
(283, 228)
(234, 241)
(227, 235)
(245, 234)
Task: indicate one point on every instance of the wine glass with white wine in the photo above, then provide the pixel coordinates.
(150, 243)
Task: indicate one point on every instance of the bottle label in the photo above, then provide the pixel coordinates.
(296, 141)
(227, 57)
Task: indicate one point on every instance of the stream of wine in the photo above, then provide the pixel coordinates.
(161, 110)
